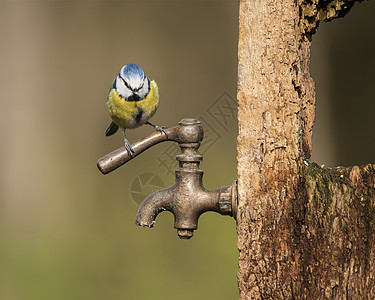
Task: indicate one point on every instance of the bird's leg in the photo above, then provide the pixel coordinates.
(128, 147)
(158, 128)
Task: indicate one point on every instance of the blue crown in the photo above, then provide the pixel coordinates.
(132, 70)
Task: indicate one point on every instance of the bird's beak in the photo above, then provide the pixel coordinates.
(134, 97)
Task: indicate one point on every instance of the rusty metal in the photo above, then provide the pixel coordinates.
(187, 198)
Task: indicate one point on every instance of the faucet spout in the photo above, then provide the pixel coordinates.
(154, 204)
(187, 199)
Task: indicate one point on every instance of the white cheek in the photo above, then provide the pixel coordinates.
(122, 90)
(142, 93)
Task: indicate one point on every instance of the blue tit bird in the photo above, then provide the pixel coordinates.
(132, 100)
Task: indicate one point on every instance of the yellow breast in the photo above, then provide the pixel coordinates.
(132, 114)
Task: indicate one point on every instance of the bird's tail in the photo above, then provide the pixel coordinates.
(112, 128)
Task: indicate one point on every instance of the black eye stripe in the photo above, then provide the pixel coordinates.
(136, 90)
(126, 84)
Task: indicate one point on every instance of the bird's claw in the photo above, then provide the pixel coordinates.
(129, 148)
(161, 129)
(158, 128)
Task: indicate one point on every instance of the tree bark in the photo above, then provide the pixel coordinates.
(304, 232)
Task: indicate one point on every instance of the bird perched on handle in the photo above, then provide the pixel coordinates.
(132, 100)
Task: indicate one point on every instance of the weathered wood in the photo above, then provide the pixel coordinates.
(334, 223)
(303, 231)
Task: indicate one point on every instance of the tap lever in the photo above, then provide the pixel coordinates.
(120, 156)
(188, 131)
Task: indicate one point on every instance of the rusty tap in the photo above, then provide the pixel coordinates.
(187, 198)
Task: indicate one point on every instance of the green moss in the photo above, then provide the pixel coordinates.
(320, 181)
(325, 183)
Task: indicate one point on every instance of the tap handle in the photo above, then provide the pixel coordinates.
(188, 131)
(117, 158)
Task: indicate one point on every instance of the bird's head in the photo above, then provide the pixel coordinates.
(132, 83)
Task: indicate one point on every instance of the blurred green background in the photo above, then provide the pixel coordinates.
(66, 230)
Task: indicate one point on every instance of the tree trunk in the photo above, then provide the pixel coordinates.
(304, 232)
